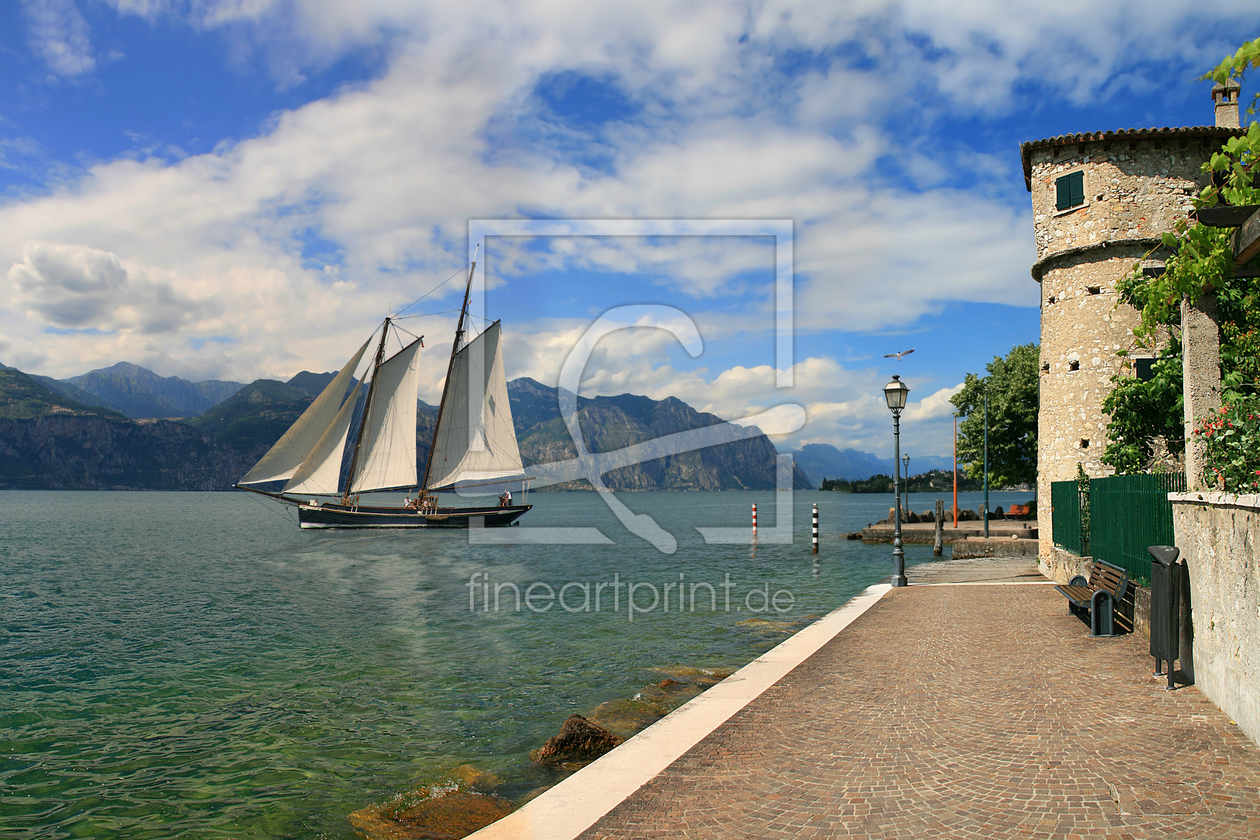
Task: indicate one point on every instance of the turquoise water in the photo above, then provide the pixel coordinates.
(192, 664)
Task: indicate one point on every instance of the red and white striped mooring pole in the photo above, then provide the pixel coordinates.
(815, 527)
(754, 520)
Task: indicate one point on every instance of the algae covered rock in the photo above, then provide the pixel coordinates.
(453, 816)
(579, 740)
(431, 813)
(470, 777)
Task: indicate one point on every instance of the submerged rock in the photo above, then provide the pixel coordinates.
(765, 625)
(454, 815)
(579, 740)
(441, 814)
(688, 674)
(474, 778)
(625, 718)
(628, 717)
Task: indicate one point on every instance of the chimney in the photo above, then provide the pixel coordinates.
(1226, 98)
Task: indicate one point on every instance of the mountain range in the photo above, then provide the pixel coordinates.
(57, 434)
(822, 460)
(140, 393)
(51, 442)
(610, 424)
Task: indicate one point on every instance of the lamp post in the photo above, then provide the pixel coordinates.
(955, 469)
(895, 393)
(986, 458)
(905, 459)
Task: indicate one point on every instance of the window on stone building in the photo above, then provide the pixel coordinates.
(1084, 443)
(1069, 190)
(1074, 365)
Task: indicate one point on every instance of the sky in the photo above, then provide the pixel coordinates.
(239, 189)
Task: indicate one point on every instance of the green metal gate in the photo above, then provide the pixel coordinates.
(1129, 513)
(1065, 518)
(1117, 519)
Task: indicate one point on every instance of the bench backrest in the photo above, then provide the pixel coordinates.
(1018, 510)
(1103, 575)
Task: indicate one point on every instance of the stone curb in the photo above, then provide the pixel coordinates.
(1251, 500)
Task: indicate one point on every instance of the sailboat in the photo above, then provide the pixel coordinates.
(474, 441)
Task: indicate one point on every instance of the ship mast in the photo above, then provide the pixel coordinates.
(450, 365)
(367, 407)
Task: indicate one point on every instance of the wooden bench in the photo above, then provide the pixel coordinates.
(1017, 510)
(1097, 596)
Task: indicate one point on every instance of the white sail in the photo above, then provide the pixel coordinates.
(387, 450)
(284, 458)
(475, 440)
(321, 470)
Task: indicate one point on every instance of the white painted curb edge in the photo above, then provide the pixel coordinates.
(574, 805)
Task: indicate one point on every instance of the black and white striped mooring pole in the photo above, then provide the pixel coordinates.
(815, 527)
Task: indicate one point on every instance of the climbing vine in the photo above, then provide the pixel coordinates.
(1200, 261)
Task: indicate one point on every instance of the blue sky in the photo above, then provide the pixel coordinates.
(231, 189)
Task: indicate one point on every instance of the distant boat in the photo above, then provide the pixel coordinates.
(469, 448)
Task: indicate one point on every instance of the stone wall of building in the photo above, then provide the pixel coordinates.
(1082, 331)
(1134, 189)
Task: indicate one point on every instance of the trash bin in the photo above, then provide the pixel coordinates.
(1165, 606)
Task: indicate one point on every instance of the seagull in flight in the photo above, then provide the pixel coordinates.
(899, 356)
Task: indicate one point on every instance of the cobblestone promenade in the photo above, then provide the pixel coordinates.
(961, 710)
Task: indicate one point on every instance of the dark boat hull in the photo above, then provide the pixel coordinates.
(342, 516)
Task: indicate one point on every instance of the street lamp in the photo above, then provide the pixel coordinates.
(905, 459)
(955, 469)
(895, 393)
(986, 457)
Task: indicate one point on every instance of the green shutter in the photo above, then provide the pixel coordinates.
(1069, 190)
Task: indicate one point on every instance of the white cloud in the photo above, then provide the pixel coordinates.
(934, 406)
(885, 258)
(699, 266)
(59, 34)
(844, 406)
(83, 288)
(718, 56)
(198, 264)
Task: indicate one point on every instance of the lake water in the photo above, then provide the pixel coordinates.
(192, 664)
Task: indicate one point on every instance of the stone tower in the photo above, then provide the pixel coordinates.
(1100, 201)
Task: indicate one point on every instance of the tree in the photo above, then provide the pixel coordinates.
(1012, 386)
